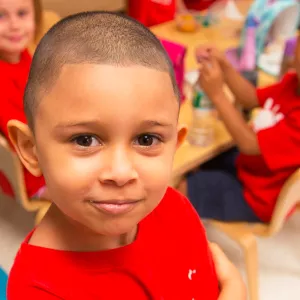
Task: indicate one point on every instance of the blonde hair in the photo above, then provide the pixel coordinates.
(38, 18)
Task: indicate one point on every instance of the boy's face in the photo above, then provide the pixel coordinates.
(17, 26)
(105, 140)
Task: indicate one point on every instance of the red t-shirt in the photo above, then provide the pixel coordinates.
(13, 78)
(279, 140)
(152, 12)
(199, 4)
(169, 259)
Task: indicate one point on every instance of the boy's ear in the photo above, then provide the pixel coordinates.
(23, 141)
(181, 134)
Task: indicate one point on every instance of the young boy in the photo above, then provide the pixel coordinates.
(248, 181)
(102, 109)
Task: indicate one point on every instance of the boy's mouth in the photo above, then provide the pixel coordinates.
(15, 39)
(115, 207)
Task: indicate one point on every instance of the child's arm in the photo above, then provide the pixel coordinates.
(211, 80)
(231, 282)
(242, 89)
(180, 6)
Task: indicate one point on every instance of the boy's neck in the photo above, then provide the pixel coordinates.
(57, 231)
(11, 58)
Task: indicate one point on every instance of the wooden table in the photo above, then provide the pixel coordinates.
(188, 156)
(223, 35)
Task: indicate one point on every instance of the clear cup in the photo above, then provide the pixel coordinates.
(202, 131)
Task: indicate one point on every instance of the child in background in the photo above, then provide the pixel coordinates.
(105, 146)
(243, 184)
(19, 22)
(196, 4)
(154, 12)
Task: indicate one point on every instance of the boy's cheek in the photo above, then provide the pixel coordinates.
(157, 168)
(66, 173)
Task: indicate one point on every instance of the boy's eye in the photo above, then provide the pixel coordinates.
(22, 13)
(147, 140)
(86, 141)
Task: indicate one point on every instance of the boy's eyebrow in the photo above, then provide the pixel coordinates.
(152, 123)
(145, 123)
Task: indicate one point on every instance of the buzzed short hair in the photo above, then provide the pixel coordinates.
(92, 37)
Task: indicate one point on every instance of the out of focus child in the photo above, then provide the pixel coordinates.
(20, 21)
(153, 12)
(243, 184)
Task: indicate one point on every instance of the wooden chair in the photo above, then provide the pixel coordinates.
(244, 233)
(11, 167)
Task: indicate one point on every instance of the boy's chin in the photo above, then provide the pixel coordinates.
(17, 48)
(116, 229)
(14, 51)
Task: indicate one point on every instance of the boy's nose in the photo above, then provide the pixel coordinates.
(118, 169)
(14, 22)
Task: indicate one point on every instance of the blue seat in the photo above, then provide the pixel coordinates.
(3, 283)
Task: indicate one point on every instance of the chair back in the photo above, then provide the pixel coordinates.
(286, 202)
(12, 171)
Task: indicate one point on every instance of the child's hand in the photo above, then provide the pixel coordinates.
(211, 78)
(206, 52)
(230, 280)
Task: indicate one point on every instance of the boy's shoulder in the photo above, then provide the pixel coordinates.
(171, 231)
(174, 204)
(176, 215)
(178, 200)
(175, 197)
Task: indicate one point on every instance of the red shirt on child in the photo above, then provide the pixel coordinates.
(154, 12)
(169, 259)
(264, 175)
(13, 79)
(199, 4)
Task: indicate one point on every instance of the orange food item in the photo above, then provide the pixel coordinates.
(186, 23)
